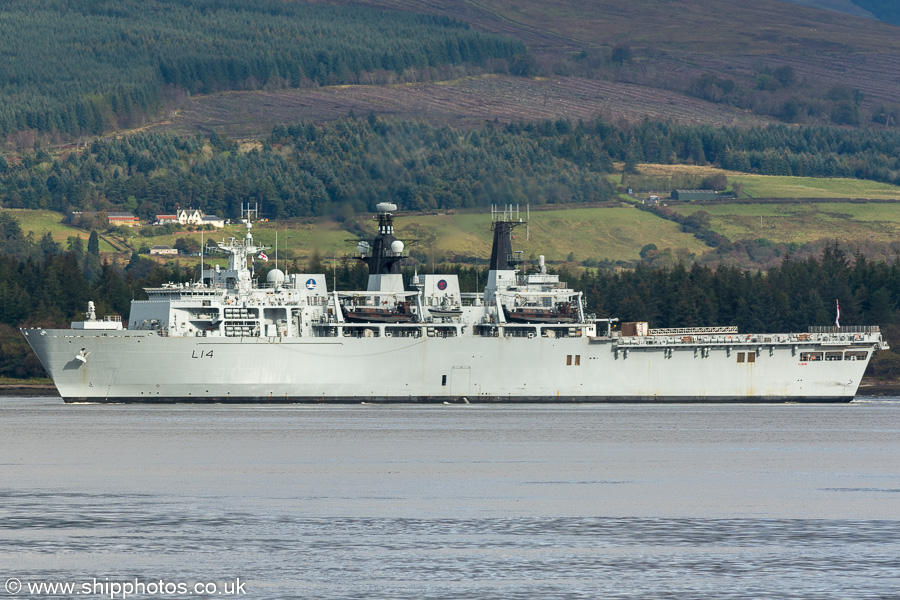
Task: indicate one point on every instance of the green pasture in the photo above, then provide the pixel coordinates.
(761, 186)
(295, 240)
(616, 233)
(300, 240)
(40, 222)
(136, 241)
(842, 221)
(774, 186)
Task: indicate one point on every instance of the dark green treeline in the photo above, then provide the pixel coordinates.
(311, 170)
(354, 163)
(788, 297)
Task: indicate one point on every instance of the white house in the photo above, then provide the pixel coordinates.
(193, 216)
(189, 216)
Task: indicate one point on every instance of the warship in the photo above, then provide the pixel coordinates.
(524, 337)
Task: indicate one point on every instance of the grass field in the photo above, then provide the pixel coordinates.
(295, 239)
(615, 233)
(770, 186)
(596, 233)
(41, 221)
(842, 221)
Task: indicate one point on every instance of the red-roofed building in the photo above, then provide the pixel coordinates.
(123, 219)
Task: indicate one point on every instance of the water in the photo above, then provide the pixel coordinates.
(717, 502)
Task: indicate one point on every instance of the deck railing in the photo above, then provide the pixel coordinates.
(693, 330)
(848, 329)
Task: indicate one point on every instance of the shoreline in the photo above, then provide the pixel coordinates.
(7, 390)
(869, 390)
(27, 389)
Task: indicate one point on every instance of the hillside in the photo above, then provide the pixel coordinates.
(595, 235)
(545, 99)
(76, 68)
(672, 43)
(700, 26)
(705, 61)
(672, 47)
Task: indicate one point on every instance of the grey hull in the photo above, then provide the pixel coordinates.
(467, 400)
(132, 366)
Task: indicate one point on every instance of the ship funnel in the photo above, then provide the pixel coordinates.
(541, 266)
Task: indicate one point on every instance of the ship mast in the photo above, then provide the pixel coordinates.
(238, 275)
(384, 254)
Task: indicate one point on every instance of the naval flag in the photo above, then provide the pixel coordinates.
(837, 318)
(262, 256)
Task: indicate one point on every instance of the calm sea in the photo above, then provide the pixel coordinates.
(474, 502)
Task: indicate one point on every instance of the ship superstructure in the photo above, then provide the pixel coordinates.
(525, 337)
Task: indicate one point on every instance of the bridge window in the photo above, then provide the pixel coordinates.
(740, 357)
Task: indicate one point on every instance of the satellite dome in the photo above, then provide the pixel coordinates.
(386, 207)
(397, 246)
(275, 277)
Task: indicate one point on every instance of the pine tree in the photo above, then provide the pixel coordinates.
(93, 246)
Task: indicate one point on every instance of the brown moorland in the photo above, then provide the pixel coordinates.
(463, 102)
(713, 27)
